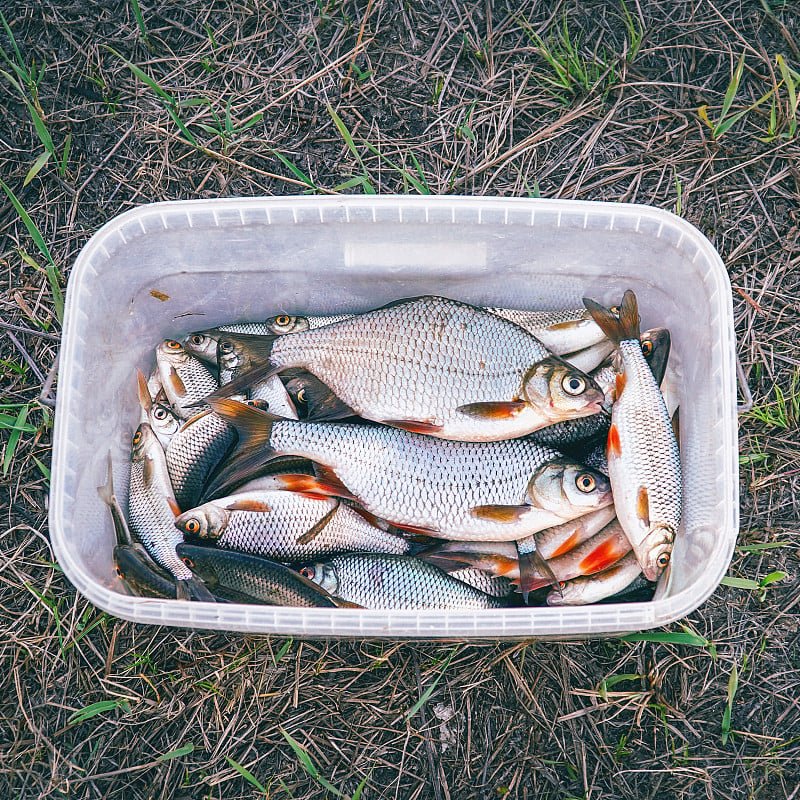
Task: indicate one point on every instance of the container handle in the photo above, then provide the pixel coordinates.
(747, 404)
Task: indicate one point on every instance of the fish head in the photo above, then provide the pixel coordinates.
(560, 390)
(164, 422)
(205, 522)
(286, 323)
(231, 357)
(568, 488)
(656, 345)
(202, 345)
(200, 564)
(143, 441)
(655, 550)
(172, 352)
(323, 575)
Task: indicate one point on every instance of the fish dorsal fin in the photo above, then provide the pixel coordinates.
(643, 506)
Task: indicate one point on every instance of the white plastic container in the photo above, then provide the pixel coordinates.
(166, 269)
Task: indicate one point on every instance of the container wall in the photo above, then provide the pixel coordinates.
(163, 270)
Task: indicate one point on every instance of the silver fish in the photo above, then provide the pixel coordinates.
(193, 453)
(643, 458)
(287, 526)
(185, 379)
(160, 416)
(439, 367)
(152, 511)
(593, 588)
(590, 358)
(496, 491)
(387, 581)
(493, 585)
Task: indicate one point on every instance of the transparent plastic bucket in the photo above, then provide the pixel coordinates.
(165, 269)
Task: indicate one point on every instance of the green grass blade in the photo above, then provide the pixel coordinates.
(298, 173)
(348, 139)
(34, 232)
(42, 468)
(692, 639)
(177, 753)
(13, 439)
(62, 169)
(740, 583)
(733, 87)
(36, 168)
(13, 42)
(246, 774)
(733, 685)
(429, 691)
(98, 708)
(421, 188)
(12, 423)
(307, 764)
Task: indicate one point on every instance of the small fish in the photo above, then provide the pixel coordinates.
(389, 581)
(593, 588)
(142, 575)
(152, 511)
(287, 526)
(435, 366)
(256, 578)
(162, 419)
(185, 379)
(594, 555)
(496, 491)
(194, 452)
(643, 458)
(287, 323)
(498, 559)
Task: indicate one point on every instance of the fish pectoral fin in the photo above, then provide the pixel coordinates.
(177, 384)
(498, 513)
(415, 426)
(145, 401)
(499, 409)
(417, 529)
(193, 589)
(249, 505)
(318, 527)
(314, 487)
(344, 603)
(449, 562)
(613, 447)
(173, 506)
(643, 506)
(534, 573)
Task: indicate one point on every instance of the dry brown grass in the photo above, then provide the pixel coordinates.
(461, 88)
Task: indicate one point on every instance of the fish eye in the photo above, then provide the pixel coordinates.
(663, 560)
(120, 573)
(301, 396)
(283, 320)
(647, 347)
(573, 384)
(188, 561)
(614, 309)
(225, 345)
(173, 345)
(307, 572)
(586, 482)
(137, 437)
(197, 338)
(192, 526)
(160, 412)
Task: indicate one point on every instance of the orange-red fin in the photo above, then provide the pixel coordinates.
(614, 448)
(145, 400)
(494, 410)
(177, 384)
(173, 506)
(317, 527)
(566, 545)
(602, 557)
(498, 513)
(415, 426)
(323, 486)
(416, 529)
(249, 505)
(643, 506)
(620, 384)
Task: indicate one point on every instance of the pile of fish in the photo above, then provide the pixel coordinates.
(428, 454)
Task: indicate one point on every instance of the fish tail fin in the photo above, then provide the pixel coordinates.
(534, 571)
(254, 428)
(193, 589)
(617, 328)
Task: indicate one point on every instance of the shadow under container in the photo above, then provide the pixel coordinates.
(163, 270)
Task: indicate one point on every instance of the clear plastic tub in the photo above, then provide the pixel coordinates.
(163, 270)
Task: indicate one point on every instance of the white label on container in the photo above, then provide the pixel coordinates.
(416, 255)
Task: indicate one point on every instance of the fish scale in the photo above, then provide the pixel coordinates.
(388, 582)
(421, 482)
(421, 360)
(274, 533)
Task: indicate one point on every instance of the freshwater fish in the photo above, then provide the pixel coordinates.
(185, 379)
(287, 526)
(152, 509)
(160, 416)
(257, 578)
(389, 581)
(643, 458)
(593, 588)
(436, 366)
(497, 491)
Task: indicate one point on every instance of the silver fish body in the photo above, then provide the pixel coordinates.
(643, 458)
(493, 585)
(193, 453)
(441, 367)
(185, 379)
(496, 491)
(275, 524)
(395, 582)
(593, 588)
